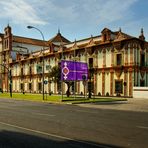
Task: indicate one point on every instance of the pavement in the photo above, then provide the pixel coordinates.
(132, 104)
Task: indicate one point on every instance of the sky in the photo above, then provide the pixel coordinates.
(76, 19)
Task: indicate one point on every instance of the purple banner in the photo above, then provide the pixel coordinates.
(74, 71)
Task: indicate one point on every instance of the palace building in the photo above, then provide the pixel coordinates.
(117, 62)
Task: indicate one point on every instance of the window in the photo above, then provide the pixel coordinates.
(119, 59)
(90, 62)
(39, 86)
(104, 37)
(6, 33)
(22, 71)
(56, 49)
(5, 46)
(7, 43)
(142, 60)
(48, 67)
(142, 83)
(30, 86)
(22, 86)
(118, 86)
(39, 69)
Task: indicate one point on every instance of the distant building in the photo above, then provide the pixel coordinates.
(117, 62)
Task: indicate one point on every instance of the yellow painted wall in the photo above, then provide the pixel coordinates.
(108, 58)
(100, 59)
(107, 82)
(99, 83)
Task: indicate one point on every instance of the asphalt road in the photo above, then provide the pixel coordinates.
(42, 125)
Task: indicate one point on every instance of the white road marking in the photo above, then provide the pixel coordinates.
(144, 127)
(48, 134)
(35, 131)
(44, 114)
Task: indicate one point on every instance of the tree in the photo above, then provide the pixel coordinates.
(69, 84)
(55, 75)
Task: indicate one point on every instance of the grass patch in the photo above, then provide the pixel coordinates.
(31, 97)
(94, 100)
(58, 98)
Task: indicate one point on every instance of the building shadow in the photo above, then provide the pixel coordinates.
(10, 139)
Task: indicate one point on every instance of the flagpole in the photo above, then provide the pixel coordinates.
(75, 72)
(61, 72)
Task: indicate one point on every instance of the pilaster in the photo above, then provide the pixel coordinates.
(103, 83)
(111, 82)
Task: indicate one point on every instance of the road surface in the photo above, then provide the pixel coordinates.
(29, 124)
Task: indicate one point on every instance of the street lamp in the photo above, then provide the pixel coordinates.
(91, 72)
(42, 50)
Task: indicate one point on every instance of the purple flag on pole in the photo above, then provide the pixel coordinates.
(74, 71)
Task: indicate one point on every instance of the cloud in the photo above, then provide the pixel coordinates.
(65, 11)
(79, 16)
(87, 12)
(107, 11)
(56, 10)
(19, 12)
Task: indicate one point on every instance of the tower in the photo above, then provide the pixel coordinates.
(5, 57)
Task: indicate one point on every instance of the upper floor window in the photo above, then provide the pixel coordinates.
(22, 71)
(104, 37)
(142, 63)
(119, 59)
(39, 69)
(6, 33)
(90, 62)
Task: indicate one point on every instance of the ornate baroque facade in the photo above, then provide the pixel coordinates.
(117, 62)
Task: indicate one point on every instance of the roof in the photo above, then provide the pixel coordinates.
(1, 34)
(30, 41)
(59, 39)
(121, 35)
(85, 41)
(95, 40)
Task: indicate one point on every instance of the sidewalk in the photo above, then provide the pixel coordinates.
(132, 104)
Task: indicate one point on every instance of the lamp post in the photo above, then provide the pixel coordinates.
(91, 72)
(42, 50)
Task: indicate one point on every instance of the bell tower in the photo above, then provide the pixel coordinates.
(6, 55)
(7, 44)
